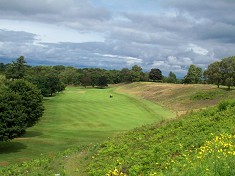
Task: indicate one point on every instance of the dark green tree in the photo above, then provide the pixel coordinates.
(213, 73)
(194, 75)
(2, 67)
(136, 73)
(31, 99)
(172, 78)
(21, 106)
(86, 80)
(125, 75)
(102, 82)
(155, 74)
(70, 76)
(227, 68)
(17, 69)
(47, 80)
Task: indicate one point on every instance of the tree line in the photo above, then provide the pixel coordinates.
(53, 79)
(22, 87)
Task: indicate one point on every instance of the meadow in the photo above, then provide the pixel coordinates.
(80, 116)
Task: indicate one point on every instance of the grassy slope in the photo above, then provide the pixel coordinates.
(136, 150)
(80, 117)
(169, 148)
(179, 97)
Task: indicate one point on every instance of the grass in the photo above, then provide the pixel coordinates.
(79, 117)
(199, 143)
(179, 98)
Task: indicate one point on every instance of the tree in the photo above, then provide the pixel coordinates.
(21, 106)
(125, 75)
(194, 75)
(16, 70)
(102, 82)
(86, 80)
(136, 73)
(2, 67)
(70, 76)
(227, 68)
(47, 80)
(171, 78)
(155, 74)
(213, 73)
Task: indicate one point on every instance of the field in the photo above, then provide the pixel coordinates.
(79, 117)
(201, 142)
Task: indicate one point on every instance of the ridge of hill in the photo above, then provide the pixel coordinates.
(179, 98)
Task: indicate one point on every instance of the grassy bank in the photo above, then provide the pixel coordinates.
(79, 117)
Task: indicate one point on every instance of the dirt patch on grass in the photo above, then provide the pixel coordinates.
(4, 163)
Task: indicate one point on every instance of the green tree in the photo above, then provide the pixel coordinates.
(70, 76)
(172, 78)
(2, 67)
(17, 69)
(86, 80)
(194, 75)
(21, 106)
(136, 73)
(47, 80)
(227, 68)
(155, 74)
(213, 73)
(125, 75)
(102, 82)
(31, 99)
(2, 80)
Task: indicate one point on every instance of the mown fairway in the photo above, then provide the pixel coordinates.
(78, 117)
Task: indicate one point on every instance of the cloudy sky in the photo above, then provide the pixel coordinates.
(113, 34)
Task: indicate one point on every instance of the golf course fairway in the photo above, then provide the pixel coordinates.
(80, 116)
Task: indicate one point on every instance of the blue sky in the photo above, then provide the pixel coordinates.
(113, 34)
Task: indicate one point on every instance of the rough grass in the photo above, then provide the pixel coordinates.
(179, 98)
(79, 117)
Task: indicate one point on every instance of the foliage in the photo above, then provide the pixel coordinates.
(194, 75)
(221, 72)
(12, 116)
(31, 99)
(136, 73)
(20, 107)
(16, 70)
(47, 80)
(172, 78)
(213, 73)
(44, 165)
(155, 74)
(167, 148)
(125, 75)
(102, 82)
(2, 67)
(203, 95)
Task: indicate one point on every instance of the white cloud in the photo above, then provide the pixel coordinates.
(197, 49)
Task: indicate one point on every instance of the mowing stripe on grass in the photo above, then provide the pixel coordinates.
(78, 117)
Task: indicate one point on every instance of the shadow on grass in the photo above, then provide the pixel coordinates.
(30, 134)
(11, 147)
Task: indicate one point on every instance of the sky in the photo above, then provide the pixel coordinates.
(114, 34)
